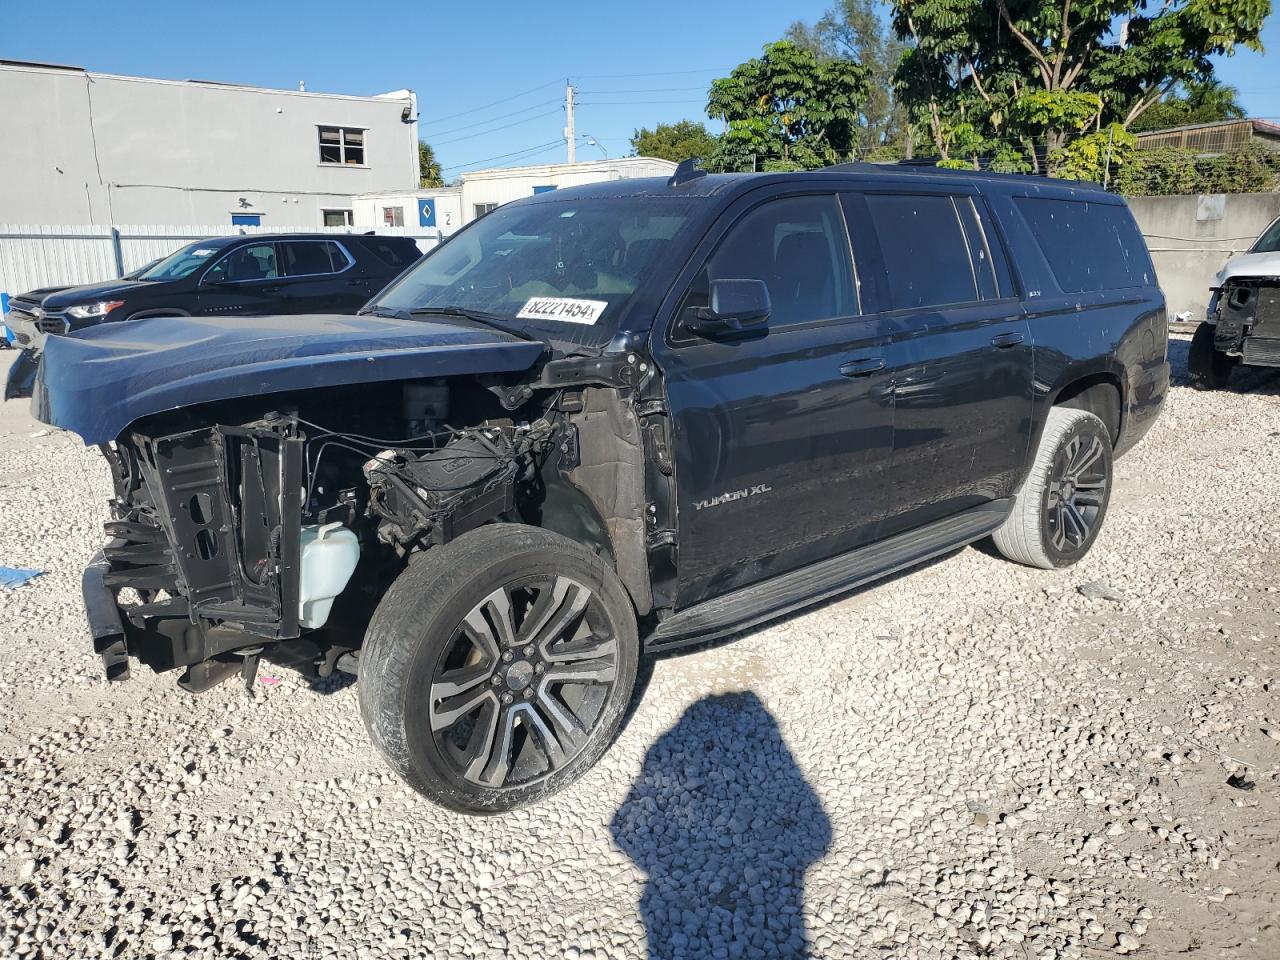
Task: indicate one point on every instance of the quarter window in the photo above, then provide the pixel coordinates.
(925, 249)
(342, 145)
(304, 258)
(799, 248)
(1089, 246)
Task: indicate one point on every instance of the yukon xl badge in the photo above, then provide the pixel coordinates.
(732, 495)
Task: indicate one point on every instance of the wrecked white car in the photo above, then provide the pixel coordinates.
(1243, 321)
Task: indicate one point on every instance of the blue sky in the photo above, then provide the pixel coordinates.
(489, 75)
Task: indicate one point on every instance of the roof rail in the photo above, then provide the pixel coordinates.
(686, 171)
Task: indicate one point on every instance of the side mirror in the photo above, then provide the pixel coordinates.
(736, 307)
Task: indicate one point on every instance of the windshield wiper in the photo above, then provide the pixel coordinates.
(380, 311)
(491, 320)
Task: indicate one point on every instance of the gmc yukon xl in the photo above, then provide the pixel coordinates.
(609, 419)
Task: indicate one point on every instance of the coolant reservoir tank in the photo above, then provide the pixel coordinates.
(328, 558)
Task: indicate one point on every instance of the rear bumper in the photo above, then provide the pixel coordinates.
(1148, 387)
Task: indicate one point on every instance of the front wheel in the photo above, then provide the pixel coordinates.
(497, 668)
(1208, 368)
(1060, 506)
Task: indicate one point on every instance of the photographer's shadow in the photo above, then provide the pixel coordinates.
(724, 824)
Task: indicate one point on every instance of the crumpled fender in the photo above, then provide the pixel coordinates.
(101, 380)
(22, 375)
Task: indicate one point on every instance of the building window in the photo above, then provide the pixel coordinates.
(483, 208)
(393, 216)
(336, 218)
(246, 219)
(343, 145)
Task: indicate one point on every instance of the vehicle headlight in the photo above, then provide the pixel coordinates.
(83, 311)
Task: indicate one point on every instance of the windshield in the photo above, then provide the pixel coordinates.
(565, 268)
(183, 263)
(1269, 242)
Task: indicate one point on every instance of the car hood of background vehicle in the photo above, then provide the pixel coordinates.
(59, 298)
(101, 380)
(1251, 265)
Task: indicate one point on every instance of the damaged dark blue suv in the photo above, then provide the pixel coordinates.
(622, 416)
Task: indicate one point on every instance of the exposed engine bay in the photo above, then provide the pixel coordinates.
(227, 540)
(1246, 316)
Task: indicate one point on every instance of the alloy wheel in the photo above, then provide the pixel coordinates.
(1076, 493)
(522, 684)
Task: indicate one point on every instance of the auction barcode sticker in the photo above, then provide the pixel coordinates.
(562, 308)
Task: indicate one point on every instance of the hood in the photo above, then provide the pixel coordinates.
(1250, 265)
(104, 378)
(59, 298)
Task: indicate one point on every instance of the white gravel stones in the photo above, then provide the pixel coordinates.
(922, 770)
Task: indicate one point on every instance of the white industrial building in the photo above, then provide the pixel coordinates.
(445, 209)
(104, 149)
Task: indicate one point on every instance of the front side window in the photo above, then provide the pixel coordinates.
(254, 262)
(799, 248)
(342, 145)
(306, 258)
(568, 268)
(926, 252)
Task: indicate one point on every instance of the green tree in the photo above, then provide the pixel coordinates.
(674, 141)
(788, 110)
(855, 30)
(429, 173)
(1195, 102)
(1027, 71)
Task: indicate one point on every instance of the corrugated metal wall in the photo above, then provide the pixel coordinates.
(44, 256)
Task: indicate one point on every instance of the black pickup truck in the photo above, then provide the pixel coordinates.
(611, 418)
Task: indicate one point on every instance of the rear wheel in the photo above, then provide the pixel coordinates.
(497, 668)
(1060, 506)
(1207, 368)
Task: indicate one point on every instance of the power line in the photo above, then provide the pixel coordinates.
(495, 103)
(626, 103)
(501, 116)
(660, 73)
(497, 129)
(559, 141)
(645, 90)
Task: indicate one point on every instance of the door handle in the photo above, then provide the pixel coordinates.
(1005, 340)
(860, 368)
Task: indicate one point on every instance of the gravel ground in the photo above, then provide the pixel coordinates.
(973, 759)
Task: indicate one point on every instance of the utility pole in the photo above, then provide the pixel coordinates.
(570, 137)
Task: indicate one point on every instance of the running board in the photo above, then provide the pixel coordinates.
(819, 581)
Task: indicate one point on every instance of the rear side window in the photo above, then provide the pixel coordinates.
(1088, 246)
(799, 248)
(304, 258)
(394, 253)
(925, 249)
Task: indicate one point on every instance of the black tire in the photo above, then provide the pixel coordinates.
(1207, 368)
(457, 625)
(1061, 504)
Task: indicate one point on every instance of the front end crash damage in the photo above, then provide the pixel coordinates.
(1246, 311)
(203, 569)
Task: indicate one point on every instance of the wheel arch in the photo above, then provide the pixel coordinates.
(159, 312)
(1100, 393)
